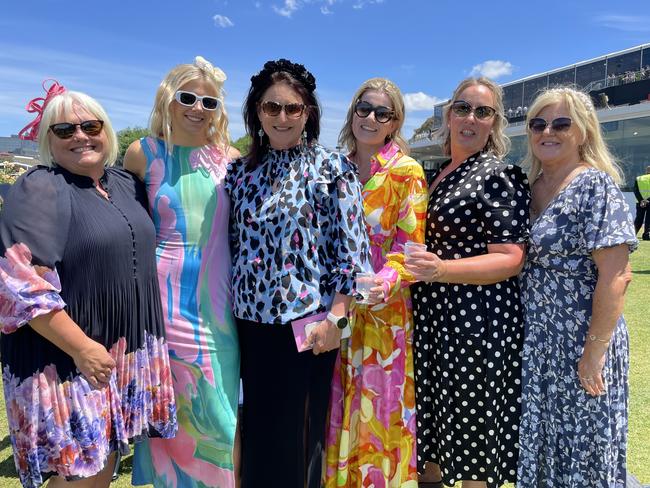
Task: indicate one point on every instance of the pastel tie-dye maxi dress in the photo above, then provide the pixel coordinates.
(371, 436)
(190, 211)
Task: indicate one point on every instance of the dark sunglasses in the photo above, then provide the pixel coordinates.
(538, 124)
(189, 98)
(382, 114)
(273, 109)
(462, 109)
(65, 130)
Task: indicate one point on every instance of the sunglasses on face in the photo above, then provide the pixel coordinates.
(382, 114)
(561, 124)
(65, 130)
(273, 109)
(462, 109)
(189, 98)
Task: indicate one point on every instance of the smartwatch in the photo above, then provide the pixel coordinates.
(340, 322)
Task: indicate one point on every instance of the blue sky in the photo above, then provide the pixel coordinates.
(118, 52)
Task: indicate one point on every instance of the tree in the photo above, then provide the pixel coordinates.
(242, 144)
(125, 137)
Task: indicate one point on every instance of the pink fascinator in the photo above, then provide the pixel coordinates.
(30, 131)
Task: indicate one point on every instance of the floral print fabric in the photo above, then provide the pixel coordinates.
(371, 436)
(53, 225)
(26, 291)
(297, 233)
(568, 438)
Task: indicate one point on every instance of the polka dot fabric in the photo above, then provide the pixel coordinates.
(468, 337)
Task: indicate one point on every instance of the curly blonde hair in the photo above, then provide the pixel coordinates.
(498, 142)
(582, 112)
(160, 121)
(383, 85)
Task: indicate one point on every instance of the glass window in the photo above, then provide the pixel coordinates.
(645, 57)
(532, 89)
(437, 116)
(566, 77)
(587, 73)
(629, 141)
(513, 96)
(518, 148)
(617, 65)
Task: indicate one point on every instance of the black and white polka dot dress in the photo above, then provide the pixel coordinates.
(468, 337)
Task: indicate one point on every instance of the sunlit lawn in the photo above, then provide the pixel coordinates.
(637, 312)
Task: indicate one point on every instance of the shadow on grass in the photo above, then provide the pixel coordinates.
(643, 272)
(126, 464)
(8, 468)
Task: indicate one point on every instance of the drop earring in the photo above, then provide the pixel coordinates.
(261, 134)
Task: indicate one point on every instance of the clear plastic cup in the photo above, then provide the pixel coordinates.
(364, 282)
(411, 246)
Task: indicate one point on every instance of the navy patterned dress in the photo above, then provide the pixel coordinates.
(567, 438)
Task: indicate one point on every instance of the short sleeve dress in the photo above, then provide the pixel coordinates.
(65, 246)
(569, 438)
(468, 337)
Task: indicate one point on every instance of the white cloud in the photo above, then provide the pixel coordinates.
(290, 6)
(492, 69)
(222, 21)
(325, 10)
(420, 101)
(362, 3)
(626, 23)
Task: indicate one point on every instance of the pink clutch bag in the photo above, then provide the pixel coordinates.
(303, 327)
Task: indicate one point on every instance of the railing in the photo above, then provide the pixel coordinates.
(623, 79)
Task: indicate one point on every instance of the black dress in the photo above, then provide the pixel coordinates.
(65, 246)
(467, 345)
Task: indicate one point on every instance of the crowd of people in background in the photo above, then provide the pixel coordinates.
(387, 330)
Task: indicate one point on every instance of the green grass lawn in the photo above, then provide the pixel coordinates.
(637, 313)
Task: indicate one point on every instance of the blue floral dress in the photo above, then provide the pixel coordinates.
(567, 438)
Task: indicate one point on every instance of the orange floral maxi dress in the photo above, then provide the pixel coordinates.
(371, 435)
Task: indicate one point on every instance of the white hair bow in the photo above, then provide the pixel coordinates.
(205, 65)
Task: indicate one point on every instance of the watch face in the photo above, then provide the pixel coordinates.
(342, 323)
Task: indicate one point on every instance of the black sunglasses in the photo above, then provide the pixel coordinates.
(462, 109)
(538, 124)
(65, 130)
(273, 109)
(189, 98)
(382, 114)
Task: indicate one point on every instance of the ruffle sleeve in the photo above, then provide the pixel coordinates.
(505, 200)
(352, 248)
(33, 231)
(607, 221)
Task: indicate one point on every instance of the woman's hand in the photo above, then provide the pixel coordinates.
(590, 368)
(325, 337)
(95, 363)
(426, 266)
(377, 294)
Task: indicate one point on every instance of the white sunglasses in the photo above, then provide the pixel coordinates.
(189, 98)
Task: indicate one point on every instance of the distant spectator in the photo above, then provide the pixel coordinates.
(642, 193)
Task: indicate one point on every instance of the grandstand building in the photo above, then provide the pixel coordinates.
(619, 84)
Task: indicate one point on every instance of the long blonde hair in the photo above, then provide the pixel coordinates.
(498, 142)
(383, 85)
(64, 104)
(593, 149)
(160, 122)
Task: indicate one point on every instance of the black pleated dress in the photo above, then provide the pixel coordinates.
(65, 246)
